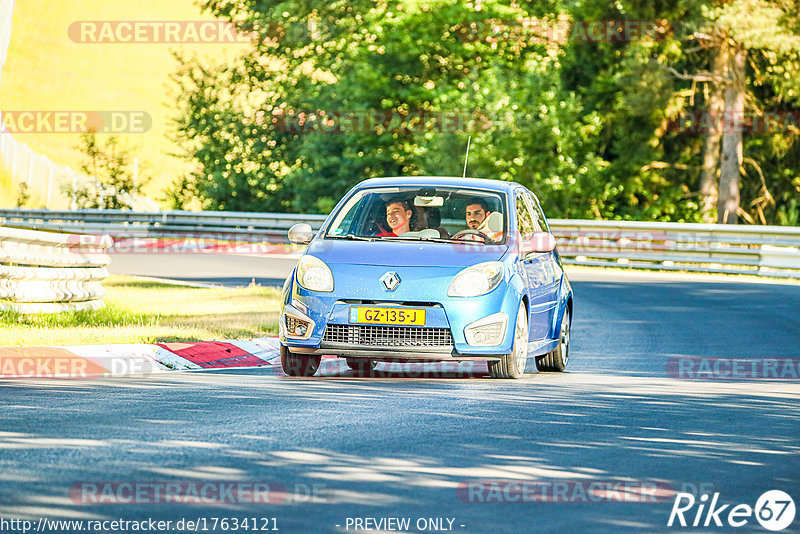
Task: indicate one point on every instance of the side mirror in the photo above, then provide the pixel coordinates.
(538, 242)
(301, 234)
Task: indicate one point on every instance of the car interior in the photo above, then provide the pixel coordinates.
(438, 213)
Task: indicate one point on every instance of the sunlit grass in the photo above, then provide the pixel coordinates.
(148, 312)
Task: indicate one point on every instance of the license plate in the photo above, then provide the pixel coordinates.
(401, 316)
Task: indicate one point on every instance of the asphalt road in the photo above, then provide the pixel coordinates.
(406, 445)
(217, 269)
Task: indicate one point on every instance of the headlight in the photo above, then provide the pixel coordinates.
(476, 280)
(314, 275)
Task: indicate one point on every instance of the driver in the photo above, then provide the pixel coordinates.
(477, 214)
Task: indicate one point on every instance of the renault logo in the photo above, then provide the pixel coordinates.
(390, 280)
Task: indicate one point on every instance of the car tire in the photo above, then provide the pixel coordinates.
(361, 365)
(298, 365)
(513, 365)
(557, 359)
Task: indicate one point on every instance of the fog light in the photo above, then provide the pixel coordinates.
(487, 332)
(297, 328)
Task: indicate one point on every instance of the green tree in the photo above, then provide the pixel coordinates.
(589, 126)
(392, 58)
(115, 185)
(23, 195)
(766, 33)
(717, 57)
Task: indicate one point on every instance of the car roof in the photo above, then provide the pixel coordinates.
(444, 181)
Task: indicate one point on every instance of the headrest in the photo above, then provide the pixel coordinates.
(494, 222)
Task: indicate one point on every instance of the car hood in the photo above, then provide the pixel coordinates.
(405, 253)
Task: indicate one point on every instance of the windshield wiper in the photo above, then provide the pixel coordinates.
(440, 240)
(420, 238)
(351, 237)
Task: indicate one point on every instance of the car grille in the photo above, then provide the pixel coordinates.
(388, 336)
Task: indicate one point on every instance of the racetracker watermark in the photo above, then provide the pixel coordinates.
(380, 121)
(28, 364)
(157, 31)
(520, 30)
(442, 369)
(563, 491)
(334, 366)
(694, 368)
(561, 31)
(66, 122)
(138, 242)
(55, 362)
(331, 121)
(767, 122)
(578, 241)
(197, 492)
(571, 242)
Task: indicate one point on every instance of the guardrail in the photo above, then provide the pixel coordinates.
(734, 249)
(45, 272)
(714, 248)
(244, 225)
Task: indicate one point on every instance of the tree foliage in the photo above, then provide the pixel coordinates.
(643, 89)
(115, 185)
(587, 125)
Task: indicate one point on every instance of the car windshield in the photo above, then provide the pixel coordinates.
(437, 214)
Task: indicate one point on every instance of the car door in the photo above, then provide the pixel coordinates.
(539, 268)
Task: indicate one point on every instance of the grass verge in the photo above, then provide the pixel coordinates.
(139, 311)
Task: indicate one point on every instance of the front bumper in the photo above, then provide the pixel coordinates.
(442, 337)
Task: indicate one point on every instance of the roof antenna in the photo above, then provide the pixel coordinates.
(466, 158)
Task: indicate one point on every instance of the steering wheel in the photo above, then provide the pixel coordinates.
(470, 231)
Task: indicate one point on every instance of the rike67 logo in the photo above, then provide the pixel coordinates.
(774, 510)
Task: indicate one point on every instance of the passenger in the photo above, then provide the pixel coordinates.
(398, 215)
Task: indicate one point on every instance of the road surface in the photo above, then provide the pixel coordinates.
(218, 269)
(432, 448)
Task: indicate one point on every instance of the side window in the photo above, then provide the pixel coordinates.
(371, 213)
(345, 218)
(345, 226)
(524, 220)
(538, 216)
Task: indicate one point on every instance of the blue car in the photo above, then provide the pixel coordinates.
(421, 269)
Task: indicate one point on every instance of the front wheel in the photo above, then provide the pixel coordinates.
(298, 365)
(513, 365)
(557, 359)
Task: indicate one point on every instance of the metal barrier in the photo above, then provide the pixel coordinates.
(735, 249)
(45, 272)
(244, 225)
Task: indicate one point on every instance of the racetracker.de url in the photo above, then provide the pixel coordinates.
(142, 526)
